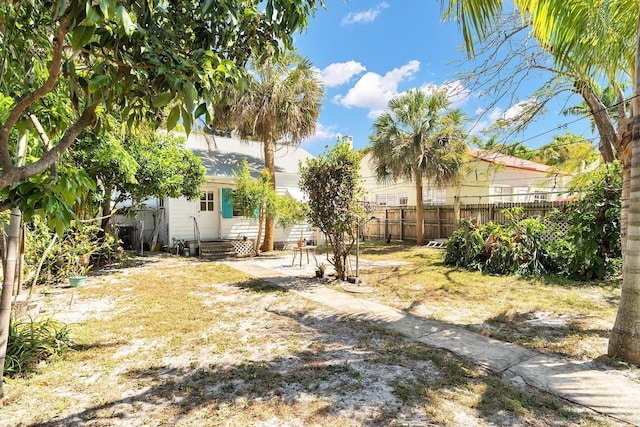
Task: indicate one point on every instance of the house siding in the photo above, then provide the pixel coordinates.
(478, 186)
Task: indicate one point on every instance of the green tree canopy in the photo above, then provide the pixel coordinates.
(140, 56)
(254, 197)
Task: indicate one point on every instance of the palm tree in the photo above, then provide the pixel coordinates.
(603, 38)
(280, 105)
(419, 138)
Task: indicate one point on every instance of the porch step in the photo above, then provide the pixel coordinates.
(217, 249)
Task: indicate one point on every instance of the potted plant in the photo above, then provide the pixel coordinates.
(301, 240)
(77, 272)
(320, 270)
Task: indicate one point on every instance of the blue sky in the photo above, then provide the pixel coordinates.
(369, 51)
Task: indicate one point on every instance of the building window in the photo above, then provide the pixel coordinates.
(206, 202)
(403, 199)
(501, 194)
(387, 199)
(523, 194)
(539, 197)
(433, 197)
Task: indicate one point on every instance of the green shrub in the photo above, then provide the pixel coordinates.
(516, 247)
(594, 220)
(590, 248)
(78, 240)
(33, 341)
(465, 248)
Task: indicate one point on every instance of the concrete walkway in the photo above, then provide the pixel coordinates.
(606, 392)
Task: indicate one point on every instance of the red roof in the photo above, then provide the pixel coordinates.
(509, 161)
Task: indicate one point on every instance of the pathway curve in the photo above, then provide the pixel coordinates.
(604, 391)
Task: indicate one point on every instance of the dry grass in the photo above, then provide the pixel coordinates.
(545, 314)
(188, 343)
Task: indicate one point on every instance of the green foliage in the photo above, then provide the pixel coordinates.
(589, 249)
(568, 153)
(51, 197)
(332, 183)
(33, 341)
(516, 247)
(80, 243)
(161, 61)
(594, 231)
(290, 212)
(465, 247)
(140, 164)
(254, 197)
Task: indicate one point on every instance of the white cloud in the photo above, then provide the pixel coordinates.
(323, 134)
(374, 91)
(456, 92)
(340, 72)
(516, 110)
(364, 17)
(487, 118)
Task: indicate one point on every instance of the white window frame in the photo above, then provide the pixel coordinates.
(207, 200)
(434, 197)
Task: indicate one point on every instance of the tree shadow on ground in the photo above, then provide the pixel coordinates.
(347, 367)
(548, 335)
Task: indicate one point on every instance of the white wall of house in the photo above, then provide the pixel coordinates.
(180, 214)
(484, 183)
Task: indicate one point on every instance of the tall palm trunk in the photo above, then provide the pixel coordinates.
(624, 341)
(417, 176)
(270, 164)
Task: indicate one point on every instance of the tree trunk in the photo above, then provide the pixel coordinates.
(256, 247)
(624, 341)
(7, 287)
(625, 161)
(606, 129)
(419, 208)
(269, 163)
(106, 211)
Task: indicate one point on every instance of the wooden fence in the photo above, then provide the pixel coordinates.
(440, 222)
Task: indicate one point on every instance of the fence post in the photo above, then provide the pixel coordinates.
(401, 224)
(439, 223)
(386, 223)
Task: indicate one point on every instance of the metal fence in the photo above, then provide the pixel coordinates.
(399, 222)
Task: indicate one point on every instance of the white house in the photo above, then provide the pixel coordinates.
(490, 178)
(212, 217)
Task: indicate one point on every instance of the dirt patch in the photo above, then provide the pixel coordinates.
(192, 344)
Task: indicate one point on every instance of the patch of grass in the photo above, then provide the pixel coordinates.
(33, 341)
(425, 286)
(190, 343)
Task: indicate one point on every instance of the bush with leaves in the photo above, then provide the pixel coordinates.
(332, 183)
(33, 341)
(465, 247)
(290, 212)
(515, 247)
(63, 257)
(593, 247)
(590, 248)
